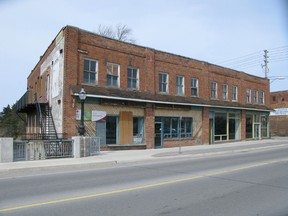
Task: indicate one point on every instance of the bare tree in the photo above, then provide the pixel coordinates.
(120, 32)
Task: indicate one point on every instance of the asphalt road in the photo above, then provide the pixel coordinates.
(242, 183)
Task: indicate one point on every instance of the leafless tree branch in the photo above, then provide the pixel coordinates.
(121, 32)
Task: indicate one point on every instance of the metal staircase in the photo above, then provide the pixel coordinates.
(46, 122)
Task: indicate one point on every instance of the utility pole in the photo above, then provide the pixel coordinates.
(265, 65)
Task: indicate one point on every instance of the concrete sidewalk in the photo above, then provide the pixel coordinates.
(110, 158)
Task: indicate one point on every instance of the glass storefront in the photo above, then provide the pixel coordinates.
(257, 125)
(226, 125)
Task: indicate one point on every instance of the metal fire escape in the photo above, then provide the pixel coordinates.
(46, 122)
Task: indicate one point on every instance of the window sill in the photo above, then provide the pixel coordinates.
(177, 139)
(163, 93)
(89, 84)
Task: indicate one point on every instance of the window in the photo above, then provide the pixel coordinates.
(163, 82)
(255, 96)
(262, 100)
(214, 90)
(227, 126)
(264, 125)
(132, 78)
(221, 126)
(176, 127)
(179, 85)
(186, 127)
(113, 74)
(138, 129)
(225, 92)
(234, 93)
(194, 87)
(90, 71)
(248, 95)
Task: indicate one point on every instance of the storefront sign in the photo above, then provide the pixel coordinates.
(87, 115)
(98, 115)
(279, 111)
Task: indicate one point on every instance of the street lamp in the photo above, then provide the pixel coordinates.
(82, 97)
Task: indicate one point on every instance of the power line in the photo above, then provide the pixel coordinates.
(276, 54)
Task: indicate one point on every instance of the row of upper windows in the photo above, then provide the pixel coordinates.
(255, 96)
(235, 94)
(113, 73)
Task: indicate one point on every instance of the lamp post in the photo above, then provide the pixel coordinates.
(82, 97)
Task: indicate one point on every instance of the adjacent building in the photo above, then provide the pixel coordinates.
(146, 97)
(279, 117)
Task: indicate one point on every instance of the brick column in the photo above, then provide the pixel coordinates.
(149, 126)
(205, 125)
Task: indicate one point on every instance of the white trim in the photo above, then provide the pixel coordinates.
(168, 102)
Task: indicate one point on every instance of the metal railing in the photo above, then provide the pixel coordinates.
(40, 150)
(90, 146)
(40, 136)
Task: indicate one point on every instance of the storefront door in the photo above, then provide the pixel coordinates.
(257, 131)
(158, 134)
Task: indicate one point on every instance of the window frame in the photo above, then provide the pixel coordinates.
(176, 127)
(234, 94)
(225, 93)
(89, 72)
(214, 90)
(109, 75)
(262, 97)
(163, 84)
(194, 88)
(255, 96)
(131, 80)
(248, 95)
(180, 86)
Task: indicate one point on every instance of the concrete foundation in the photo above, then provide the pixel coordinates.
(6, 150)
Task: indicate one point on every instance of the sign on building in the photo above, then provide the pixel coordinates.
(98, 115)
(279, 111)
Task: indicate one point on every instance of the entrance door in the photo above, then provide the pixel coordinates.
(158, 135)
(257, 131)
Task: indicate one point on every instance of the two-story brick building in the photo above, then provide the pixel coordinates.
(148, 96)
(279, 117)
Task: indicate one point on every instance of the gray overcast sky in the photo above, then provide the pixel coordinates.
(210, 30)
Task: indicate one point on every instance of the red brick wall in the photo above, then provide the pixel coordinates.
(205, 125)
(80, 44)
(149, 126)
(279, 124)
(279, 99)
(178, 143)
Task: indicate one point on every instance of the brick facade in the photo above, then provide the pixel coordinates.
(279, 121)
(80, 45)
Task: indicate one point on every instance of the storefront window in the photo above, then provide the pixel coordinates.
(234, 126)
(264, 125)
(172, 127)
(138, 129)
(226, 126)
(249, 126)
(220, 126)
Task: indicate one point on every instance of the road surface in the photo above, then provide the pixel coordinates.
(241, 183)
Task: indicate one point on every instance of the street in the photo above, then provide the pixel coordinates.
(240, 183)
